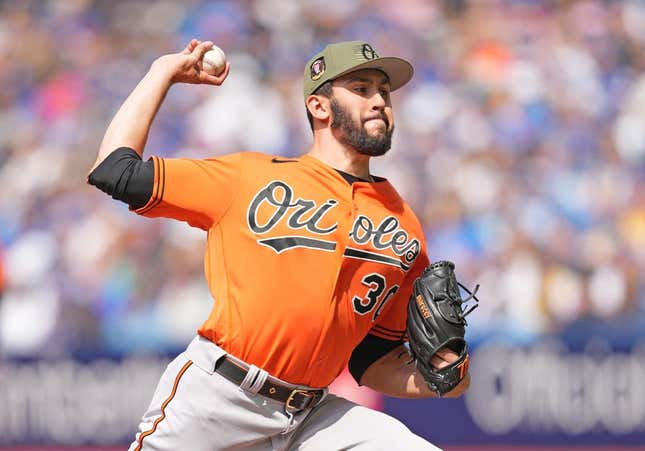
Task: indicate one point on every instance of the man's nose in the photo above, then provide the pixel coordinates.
(378, 102)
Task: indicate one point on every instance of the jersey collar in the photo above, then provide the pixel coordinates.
(381, 186)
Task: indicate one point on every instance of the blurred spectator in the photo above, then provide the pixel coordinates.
(3, 276)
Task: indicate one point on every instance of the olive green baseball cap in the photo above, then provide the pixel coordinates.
(342, 58)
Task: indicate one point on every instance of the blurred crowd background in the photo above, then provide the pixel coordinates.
(520, 143)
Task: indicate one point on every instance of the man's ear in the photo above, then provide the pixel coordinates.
(319, 107)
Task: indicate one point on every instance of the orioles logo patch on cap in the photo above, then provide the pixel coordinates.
(368, 52)
(318, 68)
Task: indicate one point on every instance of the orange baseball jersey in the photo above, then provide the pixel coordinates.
(301, 264)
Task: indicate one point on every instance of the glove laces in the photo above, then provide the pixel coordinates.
(471, 295)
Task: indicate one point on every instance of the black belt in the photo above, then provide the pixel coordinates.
(294, 399)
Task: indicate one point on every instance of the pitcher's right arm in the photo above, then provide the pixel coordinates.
(119, 169)
(130, 126)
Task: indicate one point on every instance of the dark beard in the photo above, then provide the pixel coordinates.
(356, 136)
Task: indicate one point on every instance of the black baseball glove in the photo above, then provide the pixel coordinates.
(436, 319)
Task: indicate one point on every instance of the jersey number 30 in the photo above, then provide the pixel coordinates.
(377, 286)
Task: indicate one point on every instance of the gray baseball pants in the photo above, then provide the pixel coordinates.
(194, 408)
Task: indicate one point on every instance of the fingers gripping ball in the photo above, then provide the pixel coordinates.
(436, 320)
(214, 61)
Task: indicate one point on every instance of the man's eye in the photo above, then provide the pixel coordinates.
(385, 93)
(360, 89)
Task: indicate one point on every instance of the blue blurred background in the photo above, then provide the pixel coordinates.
(520, 144)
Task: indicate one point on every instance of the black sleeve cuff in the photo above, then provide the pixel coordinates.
(367, 352)
(125, 177)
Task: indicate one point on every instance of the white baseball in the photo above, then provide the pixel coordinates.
(214, 61)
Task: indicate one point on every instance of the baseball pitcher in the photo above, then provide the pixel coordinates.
(313, 263)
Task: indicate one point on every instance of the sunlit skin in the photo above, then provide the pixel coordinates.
(365, 95)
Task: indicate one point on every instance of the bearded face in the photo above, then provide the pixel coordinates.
(374, 142)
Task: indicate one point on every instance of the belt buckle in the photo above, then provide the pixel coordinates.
(306, 393)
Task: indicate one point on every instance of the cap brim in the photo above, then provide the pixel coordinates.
(398, 70)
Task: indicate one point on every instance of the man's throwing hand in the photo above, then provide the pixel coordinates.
(187, 65)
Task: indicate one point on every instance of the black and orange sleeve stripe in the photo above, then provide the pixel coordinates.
(387, 334)
(157, 188)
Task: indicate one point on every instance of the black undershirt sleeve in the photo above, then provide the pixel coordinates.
(125, 177)
(367, 352)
